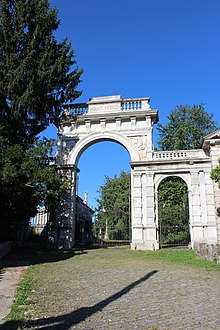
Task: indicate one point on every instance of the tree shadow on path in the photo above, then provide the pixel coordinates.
(66, 321)
(35, 252)
(2, 271)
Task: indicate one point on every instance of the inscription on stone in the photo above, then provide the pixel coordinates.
(104, 108)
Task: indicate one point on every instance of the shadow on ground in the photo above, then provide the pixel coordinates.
(35, 252)
(1, 273)
(66, 321)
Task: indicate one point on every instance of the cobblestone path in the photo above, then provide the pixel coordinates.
(113, 289)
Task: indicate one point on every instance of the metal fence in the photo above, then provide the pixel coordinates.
(173, 227)
(105, 235)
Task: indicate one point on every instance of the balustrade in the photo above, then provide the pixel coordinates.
(169, 154)
(180, 154)
(113, 106)
(131, 105)
(75, 109)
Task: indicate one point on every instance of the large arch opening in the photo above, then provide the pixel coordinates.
(92, 139)
(173, 212)
(105, 164)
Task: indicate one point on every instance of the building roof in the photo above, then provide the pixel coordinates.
(213, 137)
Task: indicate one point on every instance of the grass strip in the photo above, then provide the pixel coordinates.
(19, 307)
(179, 256)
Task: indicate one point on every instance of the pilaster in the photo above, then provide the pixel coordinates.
(203, 218)
(215, 155)
(143, 211)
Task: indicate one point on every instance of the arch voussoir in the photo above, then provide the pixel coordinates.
(91, 139)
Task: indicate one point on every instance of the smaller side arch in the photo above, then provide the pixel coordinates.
(162, 231)
(160, 177)
(91, 139)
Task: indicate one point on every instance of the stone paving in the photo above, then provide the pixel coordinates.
(9, 279)
(113, 289)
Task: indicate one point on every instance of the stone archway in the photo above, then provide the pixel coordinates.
(186, 177)
(129, 122)
(173, 218)
(91, 139)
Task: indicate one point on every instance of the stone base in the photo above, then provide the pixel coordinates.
(149, 245)
(208, 251)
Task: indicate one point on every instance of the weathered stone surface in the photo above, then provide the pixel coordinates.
(208, 251)
(130, 123)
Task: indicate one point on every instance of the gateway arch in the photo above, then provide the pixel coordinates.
(130, 122)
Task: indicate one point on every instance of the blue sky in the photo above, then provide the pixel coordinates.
(168, 50)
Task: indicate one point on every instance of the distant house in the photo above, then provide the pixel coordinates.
(39, 222)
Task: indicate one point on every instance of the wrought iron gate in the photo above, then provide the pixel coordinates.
(173, 226)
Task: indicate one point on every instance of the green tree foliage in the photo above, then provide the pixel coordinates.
(114, 198)
(37, 76)
(173, 213)
(172, 192)
(26, 182)
(35, 71)
(215, 173)
(186, 127)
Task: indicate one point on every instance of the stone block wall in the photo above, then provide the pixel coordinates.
(208, 251)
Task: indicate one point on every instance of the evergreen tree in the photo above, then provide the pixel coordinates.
(172, 192)
(185, 128)
(37, 76)
(26, 182)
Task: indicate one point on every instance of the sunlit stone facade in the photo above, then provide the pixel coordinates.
(130, 123)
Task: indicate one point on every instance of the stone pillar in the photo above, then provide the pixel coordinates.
(143, 211)
(202, 205)
(61, 229)
(195, 208)
(64, 145)
(136, 221)
(149, 144)
(215, 155)
(210, 205)
(149, 219)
